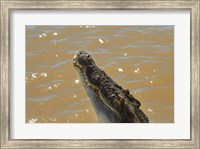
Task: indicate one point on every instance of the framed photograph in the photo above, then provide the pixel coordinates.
(100, 74)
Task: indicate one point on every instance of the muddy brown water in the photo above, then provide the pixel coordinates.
(139, 58)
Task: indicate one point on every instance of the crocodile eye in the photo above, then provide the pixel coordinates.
(113, 96)
(80, 52)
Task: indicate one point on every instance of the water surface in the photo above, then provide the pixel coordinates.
(139, 58)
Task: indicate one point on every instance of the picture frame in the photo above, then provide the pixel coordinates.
(8, 6)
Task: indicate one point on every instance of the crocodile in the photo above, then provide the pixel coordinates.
(111, 102)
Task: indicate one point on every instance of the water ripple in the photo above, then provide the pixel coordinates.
(61, 63)
(42, 98)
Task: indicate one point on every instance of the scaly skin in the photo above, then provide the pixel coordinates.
(111, 102)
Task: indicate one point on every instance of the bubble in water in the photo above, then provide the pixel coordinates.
(40, 36)
(125, 54)
(50, 87)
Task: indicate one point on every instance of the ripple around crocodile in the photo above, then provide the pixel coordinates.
(112, 103)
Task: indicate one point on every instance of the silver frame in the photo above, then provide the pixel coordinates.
(7, 6)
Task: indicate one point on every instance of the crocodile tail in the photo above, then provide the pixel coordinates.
(141, 116)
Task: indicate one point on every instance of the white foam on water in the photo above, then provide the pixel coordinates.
(120, 70)
(77, 81)
(55, 34)
(34, 75)
(44, 74)
(137, 70)
(101, 41)
(150, 110)
(32, 120)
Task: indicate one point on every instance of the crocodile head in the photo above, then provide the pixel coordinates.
(110, 101)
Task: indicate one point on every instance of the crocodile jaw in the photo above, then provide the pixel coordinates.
(89, 90)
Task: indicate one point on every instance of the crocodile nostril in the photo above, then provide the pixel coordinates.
(88, 55)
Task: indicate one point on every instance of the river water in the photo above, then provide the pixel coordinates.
(139, 58)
